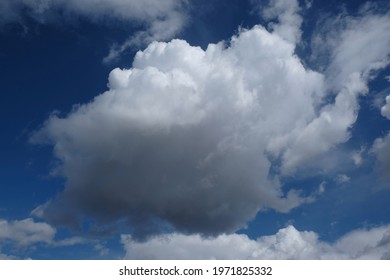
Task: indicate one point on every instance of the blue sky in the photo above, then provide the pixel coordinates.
(195, 129)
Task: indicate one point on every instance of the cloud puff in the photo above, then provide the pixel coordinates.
(187, 136)
(26, 232)
(357, 157)
(287, 243)
(342, 179)
(289, 20)
(159, 20)
(385, 110)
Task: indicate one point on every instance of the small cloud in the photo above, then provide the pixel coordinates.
(385, 110)
(76, 240)
(321, 188)
(342, 179)
(308, 4)
(103, 250)
(357, 156)
(26, 232)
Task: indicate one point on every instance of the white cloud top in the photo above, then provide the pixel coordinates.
(287, 243)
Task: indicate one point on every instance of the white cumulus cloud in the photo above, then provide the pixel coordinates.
(182, 135)
(187, 137)
(287, 243)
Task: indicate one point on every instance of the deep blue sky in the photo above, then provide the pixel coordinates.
(50, 65)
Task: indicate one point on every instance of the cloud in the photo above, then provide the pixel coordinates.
(381, 148)
(186, 137)
(26, 232)
(357, 156)
(75, 240)
(342, 179)
(158, 20)
(352, 61)
(385, 110)
(29, 234)
(321, 188)
(7, 257)
(363, 49)
(166, 23)
(182, 136)
(287, 14)
(287, 243)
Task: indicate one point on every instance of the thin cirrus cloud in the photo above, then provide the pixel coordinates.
(287, 243)
(156, 20)
(186, 138)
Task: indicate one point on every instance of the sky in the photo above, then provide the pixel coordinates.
(180, 129)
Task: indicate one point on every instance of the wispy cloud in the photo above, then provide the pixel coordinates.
(152, 19)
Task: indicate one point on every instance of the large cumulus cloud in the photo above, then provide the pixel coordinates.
(182, 135)
(186, 137)
(287, 243)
